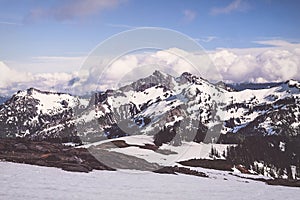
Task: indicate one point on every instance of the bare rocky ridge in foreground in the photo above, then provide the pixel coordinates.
(78, 159)
(81, 160)
(49, 154)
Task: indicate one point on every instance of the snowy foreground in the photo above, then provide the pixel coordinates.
(20, 181)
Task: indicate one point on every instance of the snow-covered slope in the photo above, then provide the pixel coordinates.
(266, 111)
(165, 155)
(188, 103)
(39, 115)
(20, 181)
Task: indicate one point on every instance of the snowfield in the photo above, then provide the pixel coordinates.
(20, 181)
(186, 151)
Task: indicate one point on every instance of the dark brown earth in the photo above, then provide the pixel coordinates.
(227, 166)
(49, 154)
(284, 182)
(210, 164)
(123, 144)
(182, 170)
(81, 159)
(276, 181)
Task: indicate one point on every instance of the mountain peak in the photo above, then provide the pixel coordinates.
(156, 78)
(293, 83)
(34, 92)
(160, 74)
(29, 91)
(187, 77)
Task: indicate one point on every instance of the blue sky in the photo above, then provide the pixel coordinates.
(55, 35)
(24, 33)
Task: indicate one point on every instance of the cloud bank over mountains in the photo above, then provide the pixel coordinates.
(267, 66)
(12, 80)
(277, 61)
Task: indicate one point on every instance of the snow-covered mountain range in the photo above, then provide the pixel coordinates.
(176, 109)
(167, 119)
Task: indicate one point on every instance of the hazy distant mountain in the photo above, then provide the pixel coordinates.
(252, 86)
(3, 99)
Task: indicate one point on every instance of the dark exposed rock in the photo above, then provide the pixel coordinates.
(276, 181)
(76, 167)
(50, 157)
(181, 170)
(20, 147)
(73, 159)
(49, 154)
(123, 144)
(210, 164)
(2, 147)
(284, 182)
(165, 170)
(122, 161)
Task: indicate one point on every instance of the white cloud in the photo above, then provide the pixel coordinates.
(12, 80)
(266, 64)
(206, 39)
(189, 15)
(279, 65)
(50, 64)
(131, 67)
(68, 10)
(8, 76)
(279, 62)
(276, 43)
(236, 5)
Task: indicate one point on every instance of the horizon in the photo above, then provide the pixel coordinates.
(232, 85)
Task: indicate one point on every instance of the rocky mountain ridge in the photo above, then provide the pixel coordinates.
(175, 109)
